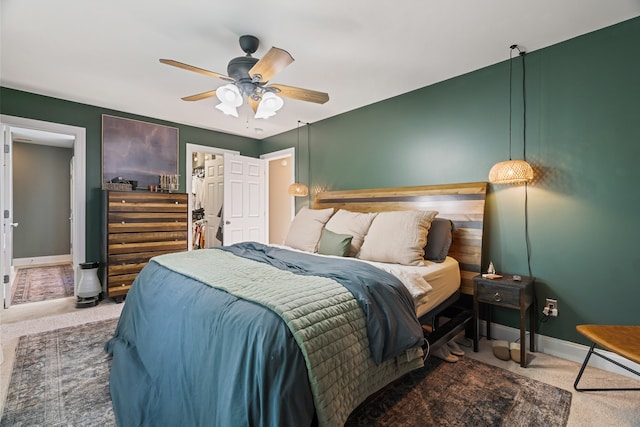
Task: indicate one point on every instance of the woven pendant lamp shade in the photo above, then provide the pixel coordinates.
(511, 172)
(298, 190)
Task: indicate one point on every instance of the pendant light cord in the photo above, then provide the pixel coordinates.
(298, 155)
(510, 93)
(309, 160)
(524, 141)
(524, 144)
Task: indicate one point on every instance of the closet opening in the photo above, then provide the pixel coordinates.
(207, 196)
(205, 188)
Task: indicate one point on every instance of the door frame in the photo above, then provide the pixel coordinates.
(79, 185)
(195, 148)
(286, 153)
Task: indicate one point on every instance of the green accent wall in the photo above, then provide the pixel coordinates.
(37, 107)
(583, 139)
(41, 179)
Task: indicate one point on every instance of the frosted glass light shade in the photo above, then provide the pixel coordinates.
(511, 172)
(229, 95)
(230, 99)
(298, 190)
(229, 110)
(268, 106)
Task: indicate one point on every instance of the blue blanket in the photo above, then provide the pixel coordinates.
(392, 326)
(186, 354)
(189, 354)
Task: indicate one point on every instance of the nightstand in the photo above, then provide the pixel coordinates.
(505, 292)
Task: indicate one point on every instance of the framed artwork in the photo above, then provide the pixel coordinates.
(137, 151)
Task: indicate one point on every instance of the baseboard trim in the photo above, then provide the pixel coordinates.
(564, 349)
(43, 260)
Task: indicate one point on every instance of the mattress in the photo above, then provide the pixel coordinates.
(444, 279)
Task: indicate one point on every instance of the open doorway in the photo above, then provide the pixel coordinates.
(205, 187)
(28, 142)
(281, 205)
(42, 250)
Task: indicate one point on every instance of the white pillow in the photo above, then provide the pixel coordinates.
(355, 224)
(397, 237)
(306, 228)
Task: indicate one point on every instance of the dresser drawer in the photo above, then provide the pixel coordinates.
(495, 293)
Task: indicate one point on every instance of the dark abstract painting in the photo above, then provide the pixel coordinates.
(137, 151)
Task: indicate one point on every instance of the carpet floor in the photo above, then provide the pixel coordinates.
(61, 377)
(35, 284)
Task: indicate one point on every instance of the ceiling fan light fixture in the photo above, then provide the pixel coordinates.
(227, 109)
(229, 94)
(268, 106)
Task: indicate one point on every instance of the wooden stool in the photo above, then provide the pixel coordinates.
(622, 340)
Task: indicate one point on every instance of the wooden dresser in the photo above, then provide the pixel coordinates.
(137, 226)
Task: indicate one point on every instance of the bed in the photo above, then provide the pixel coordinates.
(257, 334)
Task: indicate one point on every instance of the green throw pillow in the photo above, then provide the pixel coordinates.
(334, 244)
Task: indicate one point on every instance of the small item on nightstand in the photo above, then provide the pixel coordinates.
(517, 278)
(491, 269)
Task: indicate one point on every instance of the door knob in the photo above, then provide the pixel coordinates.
(14, 224)
(227, 222)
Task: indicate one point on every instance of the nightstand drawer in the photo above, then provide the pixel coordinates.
(498, 294)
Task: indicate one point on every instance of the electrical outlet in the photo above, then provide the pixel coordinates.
(551, 307)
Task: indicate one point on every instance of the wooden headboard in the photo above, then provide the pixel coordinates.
(461, 203)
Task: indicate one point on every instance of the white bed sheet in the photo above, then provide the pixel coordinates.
(429, 284)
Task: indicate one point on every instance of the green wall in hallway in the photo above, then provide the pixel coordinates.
(23, 104)
(583, 139)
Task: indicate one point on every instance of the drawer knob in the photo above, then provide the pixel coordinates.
(124, 201)
(123, 222)
(177, 203)
(497, 297)
(123, 285)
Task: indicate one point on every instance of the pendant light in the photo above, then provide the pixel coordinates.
(296, 189)
(514, 171)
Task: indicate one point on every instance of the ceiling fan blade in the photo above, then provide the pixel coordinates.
(271, 64)
(195, 69)
(253, 103)
(200, 96)
(301, 94)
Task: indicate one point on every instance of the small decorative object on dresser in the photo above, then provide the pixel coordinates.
(138, 226)
(504, 291)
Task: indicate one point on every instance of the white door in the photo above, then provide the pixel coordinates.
(6, 199)
(244, 212)
(214, 195)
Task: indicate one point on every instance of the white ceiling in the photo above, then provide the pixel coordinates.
(105, 53)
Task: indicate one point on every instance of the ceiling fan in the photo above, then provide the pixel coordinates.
(249, 77)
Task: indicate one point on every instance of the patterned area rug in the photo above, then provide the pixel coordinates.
(465, 393)
(43, 283)
(62, 378)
